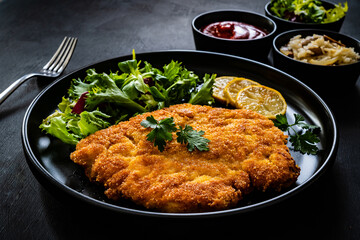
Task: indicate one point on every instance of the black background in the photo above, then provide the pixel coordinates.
(31, 30)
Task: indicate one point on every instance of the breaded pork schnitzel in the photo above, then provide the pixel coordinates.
(246, 152)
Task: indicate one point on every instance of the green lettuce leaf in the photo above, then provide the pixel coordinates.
(307, 11)
(106, 91)
(336, 13)
(69, 127)
(107, 98)
(57, 126)
(204, 95)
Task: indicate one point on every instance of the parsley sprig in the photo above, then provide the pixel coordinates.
(303, 140)
(162, 132)
(192, 138)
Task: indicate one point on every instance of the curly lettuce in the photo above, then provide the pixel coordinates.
(307, 11)
(70, 127)
(103, 99)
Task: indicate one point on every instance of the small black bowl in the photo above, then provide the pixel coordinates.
(257, 49)
(325, 80)
(285, 25)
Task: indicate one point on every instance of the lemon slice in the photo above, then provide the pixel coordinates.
(218, 87)
(233, 87)
(261, 99)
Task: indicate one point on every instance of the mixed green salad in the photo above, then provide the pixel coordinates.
(104, 99)
(307, 11)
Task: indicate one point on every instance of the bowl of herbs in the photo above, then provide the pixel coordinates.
(306, 14)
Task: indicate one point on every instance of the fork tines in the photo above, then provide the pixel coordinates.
(62, 55)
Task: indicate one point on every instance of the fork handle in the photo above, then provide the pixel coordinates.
(14, 86)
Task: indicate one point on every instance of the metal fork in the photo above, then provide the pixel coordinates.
(53, 68)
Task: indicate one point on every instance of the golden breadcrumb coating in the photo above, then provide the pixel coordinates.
(246, 151)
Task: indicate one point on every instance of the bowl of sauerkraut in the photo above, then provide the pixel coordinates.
(324, 60)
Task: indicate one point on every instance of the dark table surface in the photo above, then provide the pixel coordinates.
(30, 31)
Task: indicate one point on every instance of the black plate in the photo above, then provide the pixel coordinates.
(49, 160)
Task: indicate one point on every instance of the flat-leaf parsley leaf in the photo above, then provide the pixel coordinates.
(162, 132)
(303, 140)
(192, 138)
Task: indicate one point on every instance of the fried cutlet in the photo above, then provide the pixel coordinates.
(246, 152)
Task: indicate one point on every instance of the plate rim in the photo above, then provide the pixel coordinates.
(35, 165)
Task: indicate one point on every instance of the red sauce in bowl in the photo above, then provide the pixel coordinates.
(233, 30)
